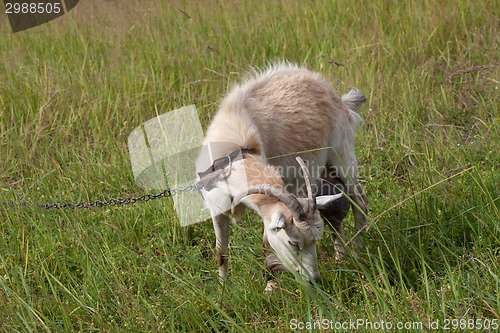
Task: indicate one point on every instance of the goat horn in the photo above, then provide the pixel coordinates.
(311, 200)
(276, 192)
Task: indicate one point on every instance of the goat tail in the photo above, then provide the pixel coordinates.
(353, 99)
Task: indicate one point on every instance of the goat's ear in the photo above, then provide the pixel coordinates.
(278, 222)
(324, 200)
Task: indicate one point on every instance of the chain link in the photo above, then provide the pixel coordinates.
(208, 175)
(104, 203)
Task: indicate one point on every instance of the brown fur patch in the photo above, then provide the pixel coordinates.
(221, 258)
(258, 172)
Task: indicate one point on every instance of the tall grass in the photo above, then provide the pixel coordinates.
(72, 90)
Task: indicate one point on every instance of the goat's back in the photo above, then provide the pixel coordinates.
(283, 112)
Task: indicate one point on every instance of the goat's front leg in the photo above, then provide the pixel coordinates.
(221, 227)
(273, 264)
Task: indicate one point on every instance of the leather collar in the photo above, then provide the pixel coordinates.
(225, 161)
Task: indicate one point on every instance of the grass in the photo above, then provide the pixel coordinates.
(73, 89)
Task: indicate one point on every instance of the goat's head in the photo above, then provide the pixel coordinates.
(291, 225)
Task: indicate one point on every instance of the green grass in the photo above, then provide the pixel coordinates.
(72, 90)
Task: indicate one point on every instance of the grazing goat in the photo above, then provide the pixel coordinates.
(249, 160)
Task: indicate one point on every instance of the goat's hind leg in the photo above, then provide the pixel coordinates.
(338, 238)
(347, 171)
(336, 211)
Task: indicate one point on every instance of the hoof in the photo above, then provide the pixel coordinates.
(271, 286)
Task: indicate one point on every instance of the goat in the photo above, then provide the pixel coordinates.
(261, 126)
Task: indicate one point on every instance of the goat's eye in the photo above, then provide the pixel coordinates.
(294, 245)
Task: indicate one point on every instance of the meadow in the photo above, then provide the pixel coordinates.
(72, 90)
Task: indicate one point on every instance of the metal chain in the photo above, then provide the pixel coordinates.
(104, 203)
